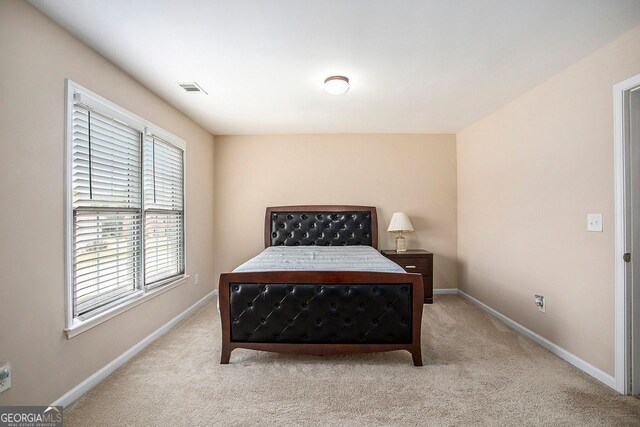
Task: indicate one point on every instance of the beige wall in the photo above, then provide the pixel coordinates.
(527, 177)
(411, 173)
(36, 56)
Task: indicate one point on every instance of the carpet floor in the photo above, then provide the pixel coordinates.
(477, 372)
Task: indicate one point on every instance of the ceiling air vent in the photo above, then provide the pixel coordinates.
(192, 87)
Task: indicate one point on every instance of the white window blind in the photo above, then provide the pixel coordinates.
(163, 211)
(107, 211)
(125, 209)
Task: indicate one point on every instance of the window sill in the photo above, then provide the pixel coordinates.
(80, 326)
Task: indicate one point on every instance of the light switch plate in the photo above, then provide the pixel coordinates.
(594, 222)
(197, 279)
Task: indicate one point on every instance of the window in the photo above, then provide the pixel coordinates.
(163, 214)
(125, 196)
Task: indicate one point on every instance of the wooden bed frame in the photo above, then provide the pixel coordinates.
(346, 278)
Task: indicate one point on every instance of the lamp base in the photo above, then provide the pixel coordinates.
(401, 244)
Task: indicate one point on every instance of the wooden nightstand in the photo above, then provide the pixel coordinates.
(415, 261)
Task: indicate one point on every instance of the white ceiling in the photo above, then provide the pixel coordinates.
(431, 66)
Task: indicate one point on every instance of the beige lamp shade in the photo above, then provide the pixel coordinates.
(400, 222)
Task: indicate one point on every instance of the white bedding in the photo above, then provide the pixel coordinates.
(320, 258)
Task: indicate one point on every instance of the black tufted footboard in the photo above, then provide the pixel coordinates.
(319, 312)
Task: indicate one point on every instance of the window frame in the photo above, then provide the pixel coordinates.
(161, 135)
(75, 326)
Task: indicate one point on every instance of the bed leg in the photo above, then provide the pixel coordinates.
(417, 356)
(225, 355)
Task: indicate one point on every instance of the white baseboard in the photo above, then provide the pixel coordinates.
(95, 379)
(540, 340)
(447, 291)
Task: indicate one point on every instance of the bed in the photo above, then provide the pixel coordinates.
(321, 287)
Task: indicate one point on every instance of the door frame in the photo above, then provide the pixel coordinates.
(622, 238)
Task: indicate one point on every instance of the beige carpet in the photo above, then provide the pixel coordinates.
(477, 372)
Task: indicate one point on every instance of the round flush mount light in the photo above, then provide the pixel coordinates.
(336, 85)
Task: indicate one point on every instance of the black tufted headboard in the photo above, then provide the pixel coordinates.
(321, 225)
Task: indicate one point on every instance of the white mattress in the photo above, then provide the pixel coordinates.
(320, 258)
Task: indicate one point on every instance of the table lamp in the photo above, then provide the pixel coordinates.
(400, 222)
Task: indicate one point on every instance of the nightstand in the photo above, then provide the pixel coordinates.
(415, 261)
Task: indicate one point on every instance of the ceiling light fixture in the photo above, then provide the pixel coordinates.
(336, 85)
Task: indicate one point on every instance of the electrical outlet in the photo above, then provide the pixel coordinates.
(196, 279)
(540, 302)
(5, 376)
